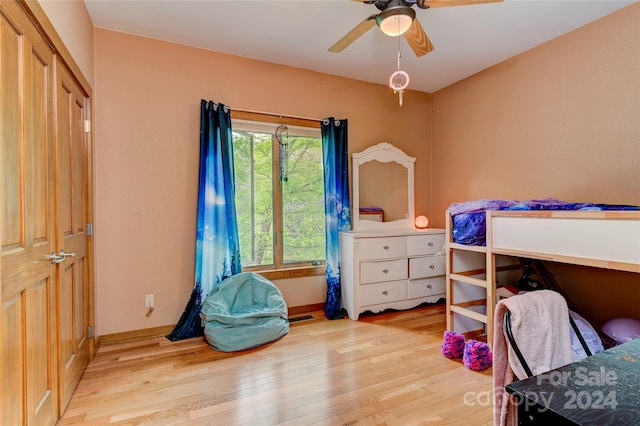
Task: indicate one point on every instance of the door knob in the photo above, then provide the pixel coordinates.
(56, 258)
(59, 258)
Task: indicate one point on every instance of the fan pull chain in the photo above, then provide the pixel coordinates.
(401, 90)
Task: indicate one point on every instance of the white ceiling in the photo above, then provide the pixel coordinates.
(297, 33)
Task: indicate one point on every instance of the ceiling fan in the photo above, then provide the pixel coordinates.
(397, 17)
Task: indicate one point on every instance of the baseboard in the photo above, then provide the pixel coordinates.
(131, 336)
(305, 309)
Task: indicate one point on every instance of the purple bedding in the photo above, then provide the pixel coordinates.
(468, 218)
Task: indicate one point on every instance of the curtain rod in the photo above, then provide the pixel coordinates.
(273, 114)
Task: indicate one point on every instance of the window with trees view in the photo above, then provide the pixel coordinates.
(280, 221)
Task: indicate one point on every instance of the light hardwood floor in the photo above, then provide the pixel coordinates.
(384, 369)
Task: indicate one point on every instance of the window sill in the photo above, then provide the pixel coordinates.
(294, 272)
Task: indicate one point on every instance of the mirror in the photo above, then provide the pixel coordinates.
(379, 183)
(383, 189)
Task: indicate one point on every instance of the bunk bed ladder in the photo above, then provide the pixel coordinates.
(488, 283)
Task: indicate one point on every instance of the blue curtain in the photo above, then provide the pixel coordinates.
(336, 205)
(217, 243)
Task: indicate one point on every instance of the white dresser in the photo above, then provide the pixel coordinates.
(391, 269)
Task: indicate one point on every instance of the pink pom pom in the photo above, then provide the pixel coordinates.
(477, 355)
(452, 345)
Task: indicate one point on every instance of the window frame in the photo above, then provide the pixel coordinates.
(279, 269)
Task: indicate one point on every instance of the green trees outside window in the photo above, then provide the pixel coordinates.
(280, 222)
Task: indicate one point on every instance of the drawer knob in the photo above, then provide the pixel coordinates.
(432, 266)
(385, 292)
(386, 271)
(386, 247)
(429, 286)
(430, 244)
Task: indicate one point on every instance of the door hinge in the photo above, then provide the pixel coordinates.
(87, 126)
(90, 332)
(89, 229)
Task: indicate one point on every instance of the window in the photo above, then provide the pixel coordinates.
(280, 222)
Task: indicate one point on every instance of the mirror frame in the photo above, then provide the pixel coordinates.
(383, 152)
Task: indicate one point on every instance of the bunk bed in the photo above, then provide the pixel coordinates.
(589, 235)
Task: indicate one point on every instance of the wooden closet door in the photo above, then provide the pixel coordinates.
(28, 385)
(74, 280)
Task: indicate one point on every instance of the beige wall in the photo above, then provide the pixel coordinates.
(147, 107)
(561, 120)
(73, 24)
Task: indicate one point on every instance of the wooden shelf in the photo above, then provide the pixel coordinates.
(468, 280)
(478, 249)
(468, 313)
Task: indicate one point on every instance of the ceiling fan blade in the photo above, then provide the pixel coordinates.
(354, 34)
(417, 39)
(447, 3)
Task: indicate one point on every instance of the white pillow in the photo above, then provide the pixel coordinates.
(588, 333)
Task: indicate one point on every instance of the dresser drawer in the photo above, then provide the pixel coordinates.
(426, 287)
(424, 244)
(391, 291)
(424, 267)
(382, 248)
(388, 270)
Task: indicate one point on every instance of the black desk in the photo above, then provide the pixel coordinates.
(603, 389)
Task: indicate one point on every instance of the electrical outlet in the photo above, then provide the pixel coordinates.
(148, 301)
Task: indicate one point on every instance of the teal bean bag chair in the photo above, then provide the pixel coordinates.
(244, 311)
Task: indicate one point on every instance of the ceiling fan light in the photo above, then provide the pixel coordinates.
(395, 21)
